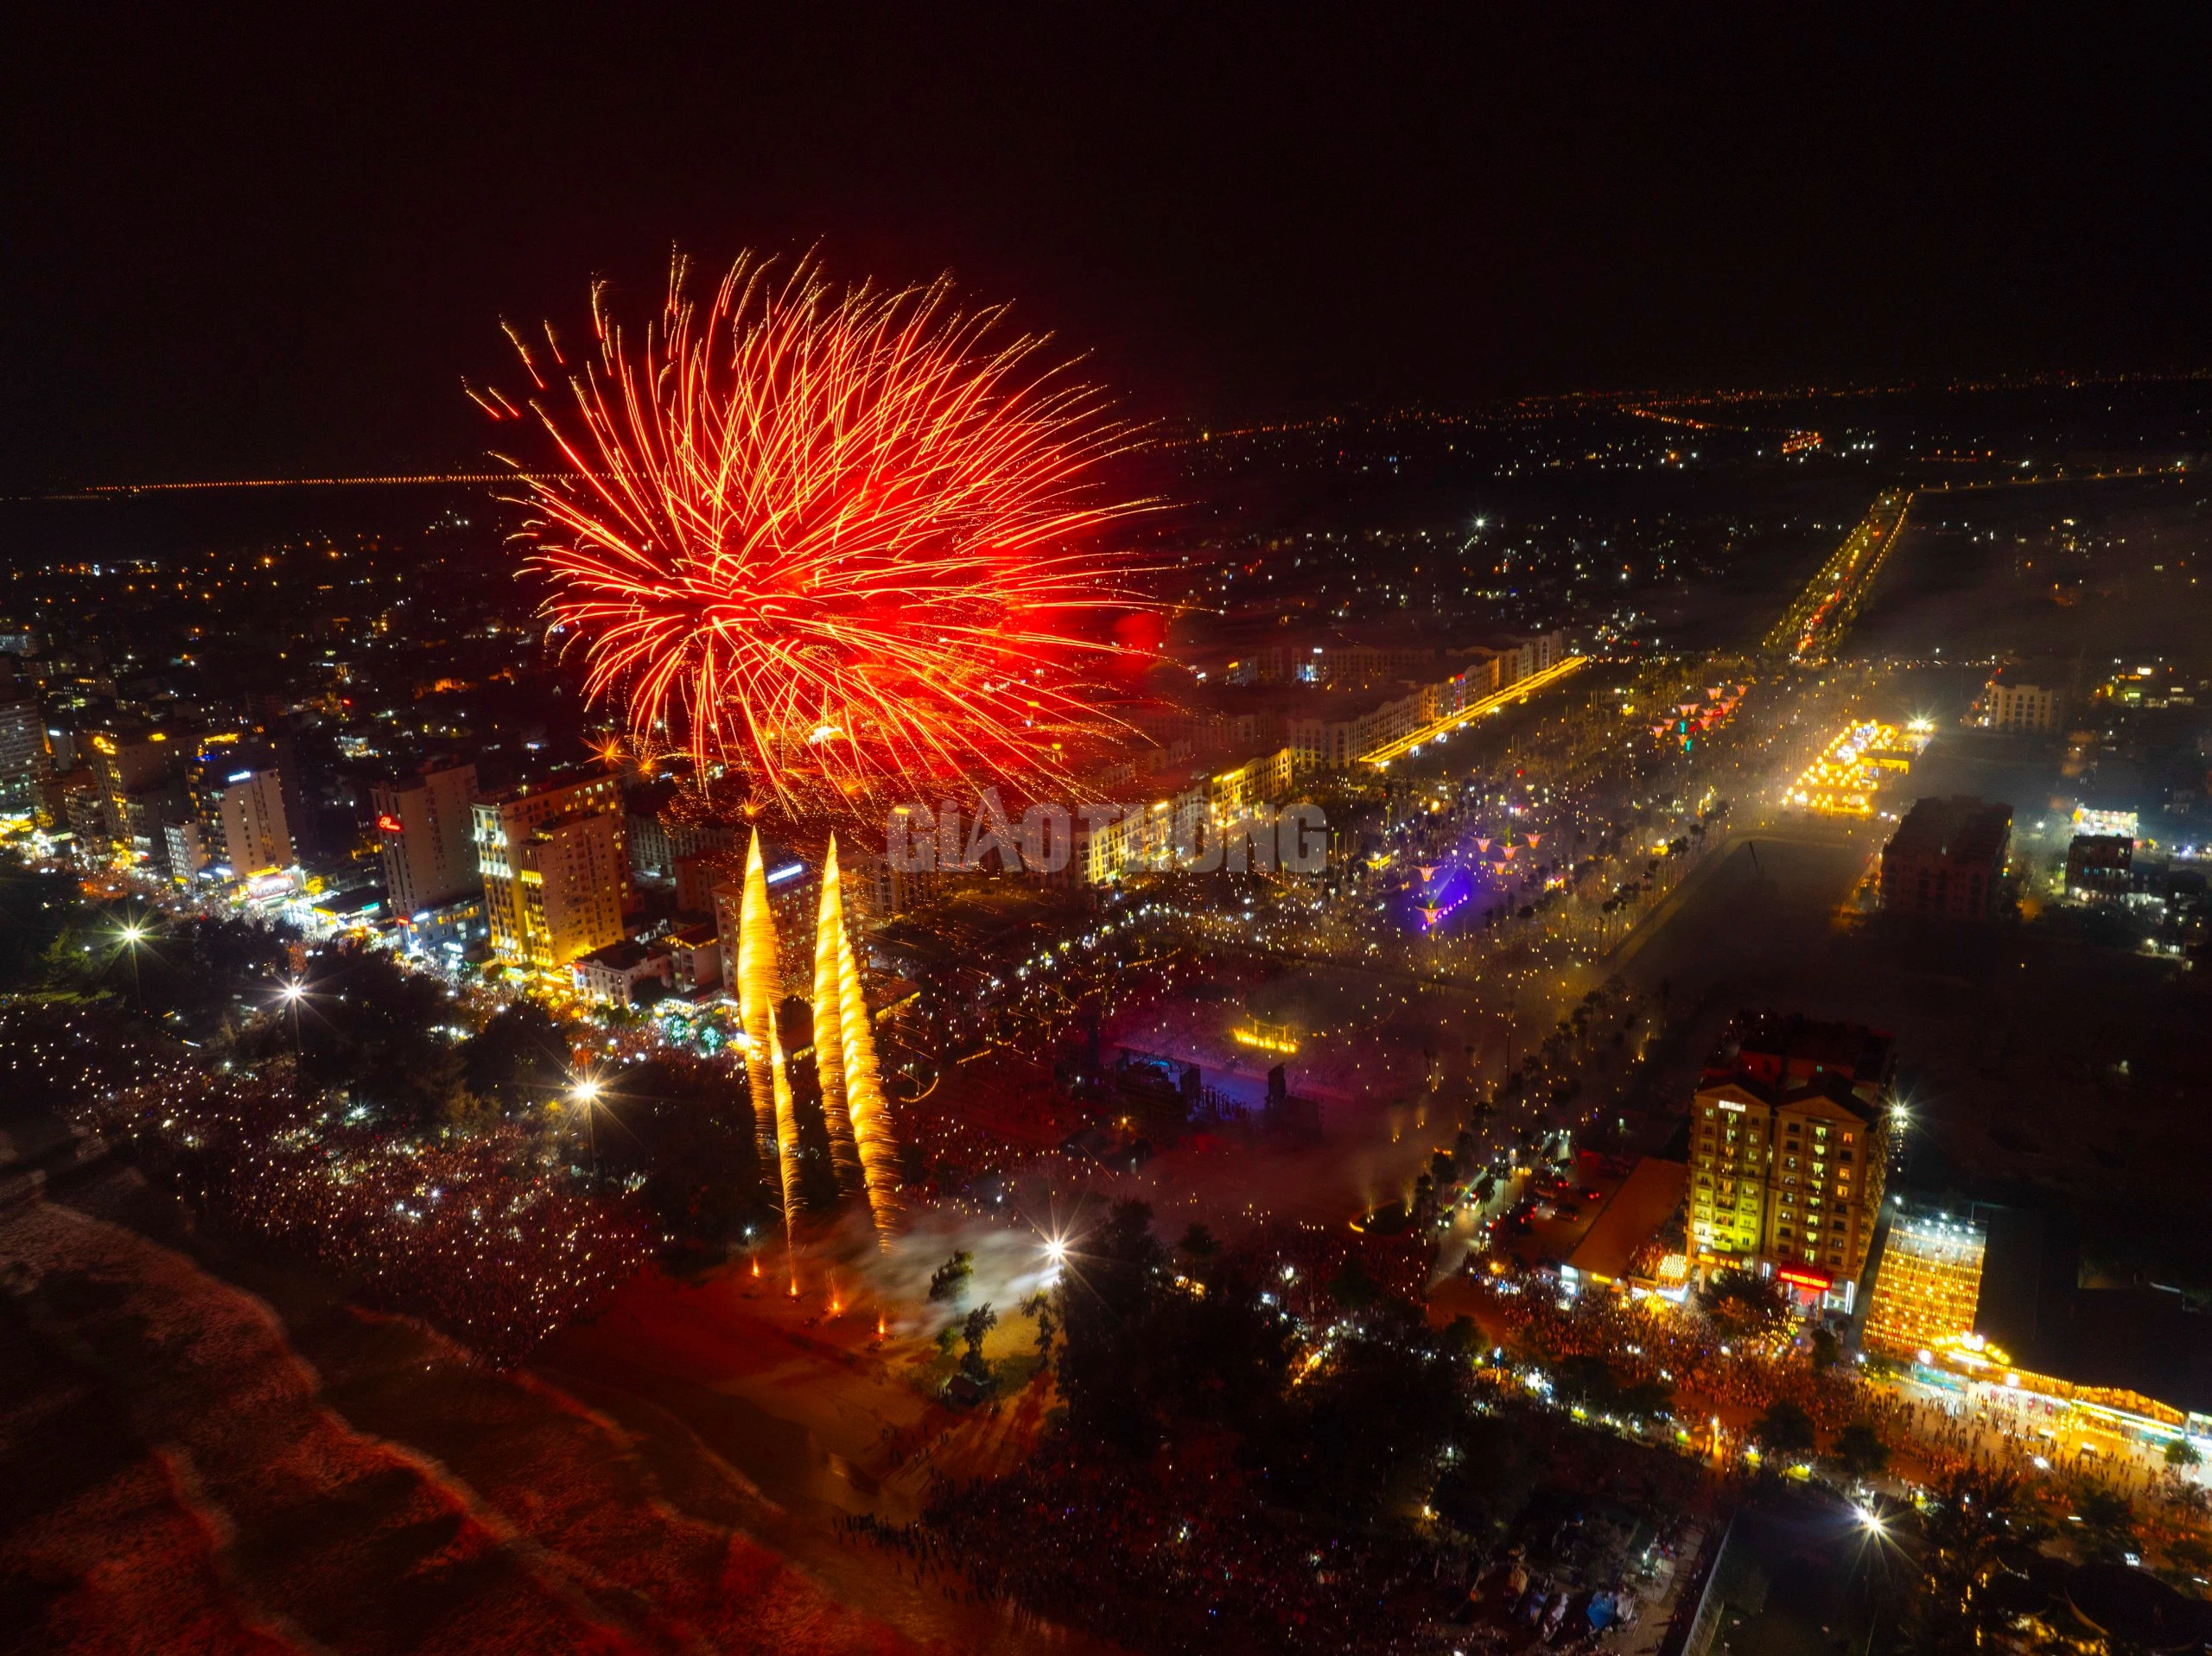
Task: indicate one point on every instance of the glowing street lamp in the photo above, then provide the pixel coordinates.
(130, 936)
(291, 994)
(584, 1092)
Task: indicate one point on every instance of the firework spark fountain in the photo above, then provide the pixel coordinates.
(844, 538)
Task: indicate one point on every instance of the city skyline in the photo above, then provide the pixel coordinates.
(853, 833)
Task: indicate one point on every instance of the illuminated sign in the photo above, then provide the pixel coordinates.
(1730, 1105)
(391, 824)
(240, 776)
(789, 871)
(1268, 1038)
(1814, 1279)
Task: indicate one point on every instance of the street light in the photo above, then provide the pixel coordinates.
(585, 1093)
(291, 994)
(132, 935)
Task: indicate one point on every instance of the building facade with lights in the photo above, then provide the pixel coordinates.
(2021, 707)
(257, 836)
(424, 826)
(1927, 1287)
(555, 872)
(1789, 1137)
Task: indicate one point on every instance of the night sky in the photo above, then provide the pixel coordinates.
(273, 247)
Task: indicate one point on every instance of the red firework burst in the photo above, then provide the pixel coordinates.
(820, 536)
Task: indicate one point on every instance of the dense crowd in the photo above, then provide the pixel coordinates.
(475, 1231)
(1169, 1564)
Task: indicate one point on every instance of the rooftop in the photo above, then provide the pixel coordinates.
(1962, 827)
(1776, 1047)
(1653, 1192)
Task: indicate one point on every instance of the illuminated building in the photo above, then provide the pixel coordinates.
(1947, 857)
(23, 753)
(2099, 866)
(127, 762)
(453, 931)
(256, 836)
(567, 893)
(2020, 707)
(612, 976)
(503, 830)
(1790, 1151)
(695, 957)
(423, 828)
(189, 852)
(1927, 1287)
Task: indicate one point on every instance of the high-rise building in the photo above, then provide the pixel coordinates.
(2021, 707)
(147, 814)
(127, 762)
(2099, 867)
(23, 753)
(1928, 1287)
(256, 836)
(1947, 857)
(1790, 1151)
(514, 870)
(189, 856)
(568, 889)
(425, 826)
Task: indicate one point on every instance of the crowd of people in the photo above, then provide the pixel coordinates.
(1175, 1563)
(475, 1231)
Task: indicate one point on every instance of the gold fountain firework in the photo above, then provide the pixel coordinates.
(862, 1147)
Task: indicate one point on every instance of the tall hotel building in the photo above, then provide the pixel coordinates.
(425, 831)
(1789, 1151)
(556, 871)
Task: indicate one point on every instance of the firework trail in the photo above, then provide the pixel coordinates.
(829, 537)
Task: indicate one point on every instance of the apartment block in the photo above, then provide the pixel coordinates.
(503, 831)
(425, 826)
(1789, 1152)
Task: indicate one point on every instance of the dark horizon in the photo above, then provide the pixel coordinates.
(278, 254)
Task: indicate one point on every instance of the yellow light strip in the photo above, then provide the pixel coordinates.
(1520, 690)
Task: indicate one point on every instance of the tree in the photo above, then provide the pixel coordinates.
(2181, 1455)
(1975, 1526)
(1103, 1309)
(1363, 1432)
(2106, 1533)
(1859, 1452)
(1743, 1306)
(1825, 1350)
(1198, 1244)
(1039, 1306)
(39, 915)
(973, 1327)
(1586, 1381)
(522, 1055)
(1785, 1428)
(1488, 1481)
(1352, 1288)
(949, 1282)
